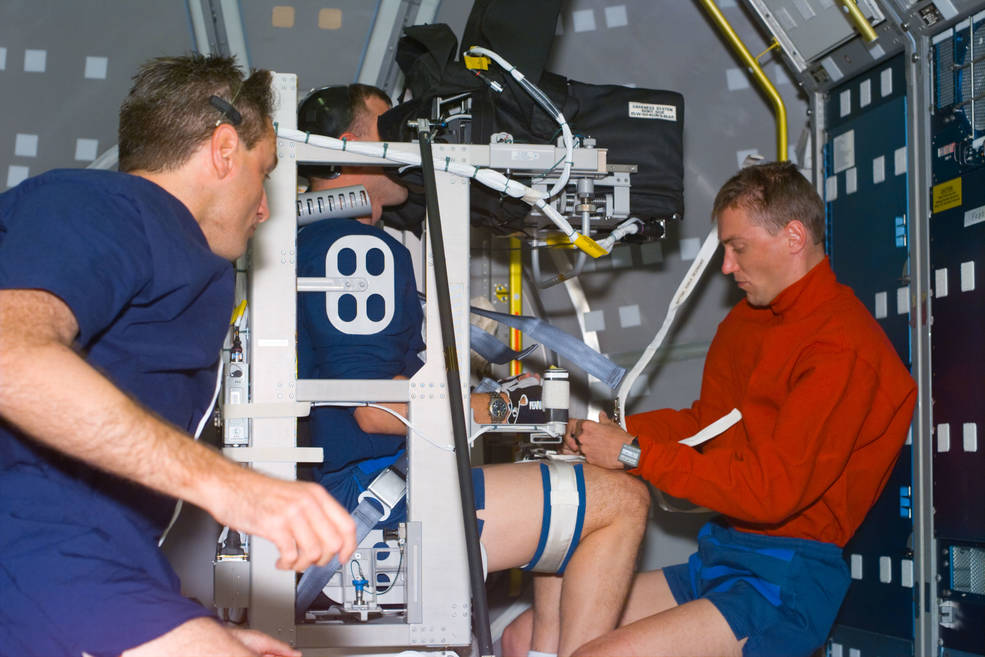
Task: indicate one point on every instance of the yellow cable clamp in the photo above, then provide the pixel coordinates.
(589, 246)
(476, 63)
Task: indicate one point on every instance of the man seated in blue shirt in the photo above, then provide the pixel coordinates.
(115, 295)
(359, 443)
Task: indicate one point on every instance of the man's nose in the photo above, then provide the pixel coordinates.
(728, 263)
(263, 212)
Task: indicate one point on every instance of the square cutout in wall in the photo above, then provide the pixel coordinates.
(15, 174)
(26, 145)
(86, 150)
(330, 19)
(95, 68)
(35, 61)
(282, 16)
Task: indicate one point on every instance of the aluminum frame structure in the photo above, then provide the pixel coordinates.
(438, 597)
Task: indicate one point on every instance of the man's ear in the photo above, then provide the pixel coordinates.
(796, 236)
(222, 149)
(349, 136)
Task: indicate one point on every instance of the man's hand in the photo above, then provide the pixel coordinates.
(263, 644)
(100, 425)
(599, 442)
(305, 523)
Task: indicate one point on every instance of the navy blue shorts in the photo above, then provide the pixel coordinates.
(77, 574)
(346, 486)
(782, 593)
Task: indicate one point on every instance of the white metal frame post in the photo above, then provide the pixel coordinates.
(272, 372)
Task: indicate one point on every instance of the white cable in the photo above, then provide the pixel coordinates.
(629, 227)
(392, 412)
(488, 177)
(198, 433)
(541, 99)
(684, 291)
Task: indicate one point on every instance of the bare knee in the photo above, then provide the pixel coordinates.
(638, 495)
(629, 495)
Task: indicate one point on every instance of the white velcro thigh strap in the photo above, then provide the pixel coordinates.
(564, 514)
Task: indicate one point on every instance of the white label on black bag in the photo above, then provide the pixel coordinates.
(652, 111)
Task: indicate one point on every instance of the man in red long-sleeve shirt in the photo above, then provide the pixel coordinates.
(826, 405)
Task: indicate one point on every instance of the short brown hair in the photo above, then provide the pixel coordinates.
(774, 193)
(330, 111)
(168, 112)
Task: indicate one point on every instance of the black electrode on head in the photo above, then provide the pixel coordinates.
(227, 110)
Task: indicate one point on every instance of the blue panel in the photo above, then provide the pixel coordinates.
(869, 644)
(958, 358)
(867, 241)
(957, 309)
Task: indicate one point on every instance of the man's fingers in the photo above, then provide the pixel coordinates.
(311, 547)
(341, 524)
(287, 549)
(329, 538)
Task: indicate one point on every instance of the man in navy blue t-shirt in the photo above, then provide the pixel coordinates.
(519, 505)
(115, 294)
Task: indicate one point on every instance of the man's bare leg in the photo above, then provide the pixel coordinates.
(517, 638)
(545, 633)
(654, 624)
(597, 577)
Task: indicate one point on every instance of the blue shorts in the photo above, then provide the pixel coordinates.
(346, 486)
(782, 593)
(77, 573)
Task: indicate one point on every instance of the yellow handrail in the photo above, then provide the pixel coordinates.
(757, 72)
(861, 23)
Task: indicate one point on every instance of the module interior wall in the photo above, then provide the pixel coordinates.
(64, 69)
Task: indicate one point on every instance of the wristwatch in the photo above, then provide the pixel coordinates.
(629, 455)
(498, 408)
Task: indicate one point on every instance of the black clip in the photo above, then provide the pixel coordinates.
(227, 110)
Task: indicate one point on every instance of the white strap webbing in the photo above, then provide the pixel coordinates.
(684, 291)
(715, 428)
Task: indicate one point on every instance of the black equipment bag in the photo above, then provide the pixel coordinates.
(637, 126)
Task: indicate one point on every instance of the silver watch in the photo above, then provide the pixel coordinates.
(498, 408)
(629, 455)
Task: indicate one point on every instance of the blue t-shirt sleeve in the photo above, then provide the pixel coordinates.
(412, 361)
(85, 247)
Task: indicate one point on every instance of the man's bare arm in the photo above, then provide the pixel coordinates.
(51, 394)
(375, 420)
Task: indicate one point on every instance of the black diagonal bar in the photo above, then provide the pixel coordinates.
(480, 608)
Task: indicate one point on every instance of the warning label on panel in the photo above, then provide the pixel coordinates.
(652, 111)
(947, 195)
